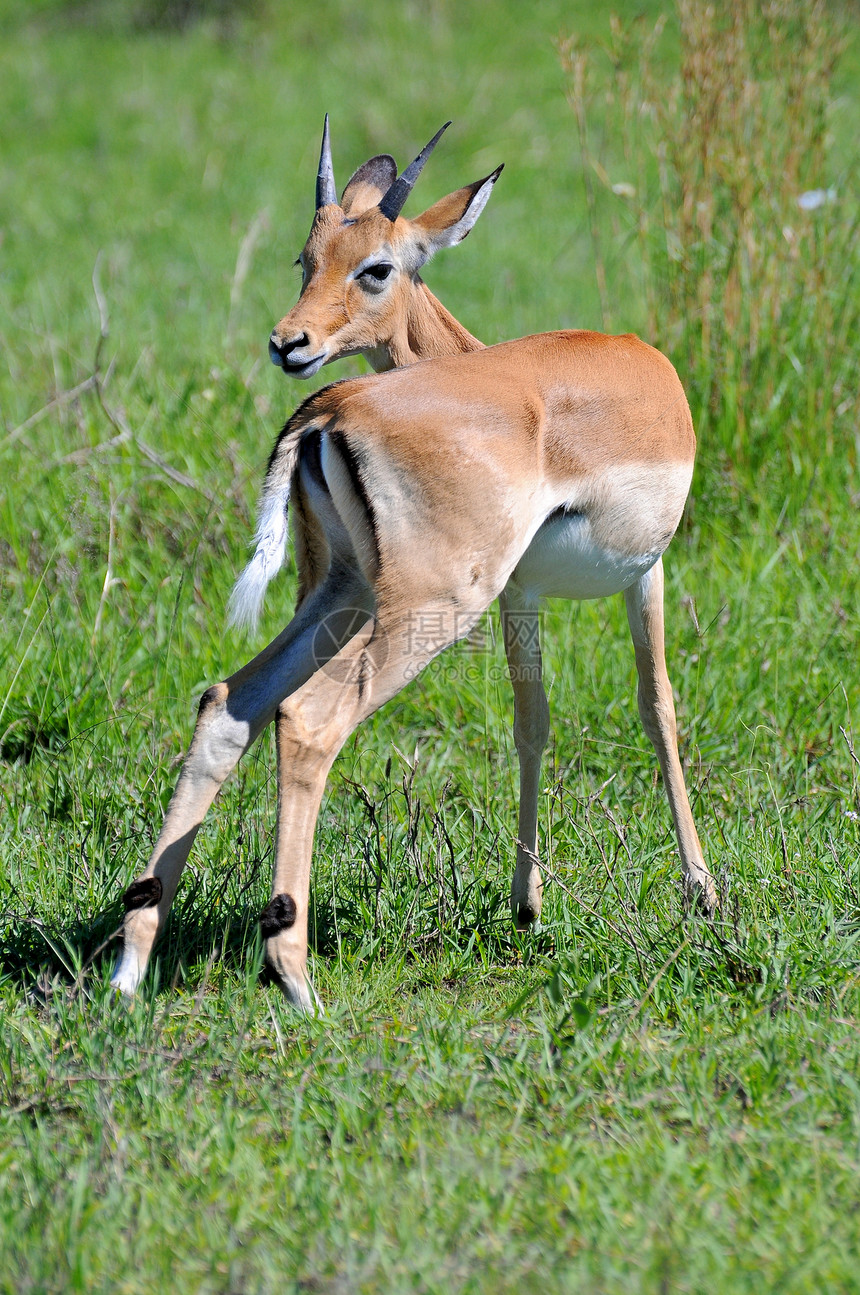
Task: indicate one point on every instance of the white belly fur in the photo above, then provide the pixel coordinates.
(564, 561)
(615, 528)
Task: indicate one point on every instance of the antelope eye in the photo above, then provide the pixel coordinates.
(377, 273)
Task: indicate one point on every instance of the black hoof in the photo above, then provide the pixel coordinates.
(699, 900)
(278, 915)
(525, 916)
(143, 894)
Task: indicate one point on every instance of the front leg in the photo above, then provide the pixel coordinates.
(521, 632)
(657, 708)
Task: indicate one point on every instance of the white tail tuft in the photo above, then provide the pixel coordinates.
(246, 600)
(250, 589)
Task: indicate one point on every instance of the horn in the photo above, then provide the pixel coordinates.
(326, 188)
(391, 204)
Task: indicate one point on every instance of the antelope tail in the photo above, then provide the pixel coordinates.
(246, 600)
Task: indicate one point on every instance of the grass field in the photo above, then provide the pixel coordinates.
(624, 1100)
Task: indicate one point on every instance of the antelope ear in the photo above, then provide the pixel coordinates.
(450, 219)
(367, 186)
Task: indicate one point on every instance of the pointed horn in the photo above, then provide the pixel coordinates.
(391, 204)
(326, 188)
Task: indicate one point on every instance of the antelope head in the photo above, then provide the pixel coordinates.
(361, 290)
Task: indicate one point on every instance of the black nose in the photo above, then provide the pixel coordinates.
(280, 351)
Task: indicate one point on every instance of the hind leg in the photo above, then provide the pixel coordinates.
(312, 725)
(232, 715)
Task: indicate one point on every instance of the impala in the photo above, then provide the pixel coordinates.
(557, 465)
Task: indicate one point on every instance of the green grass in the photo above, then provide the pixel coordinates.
(622, 1101)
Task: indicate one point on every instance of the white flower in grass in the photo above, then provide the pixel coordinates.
(812, 199)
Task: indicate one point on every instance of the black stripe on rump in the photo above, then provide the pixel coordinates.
(310, 452)
(301, 415)
(350, 460)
